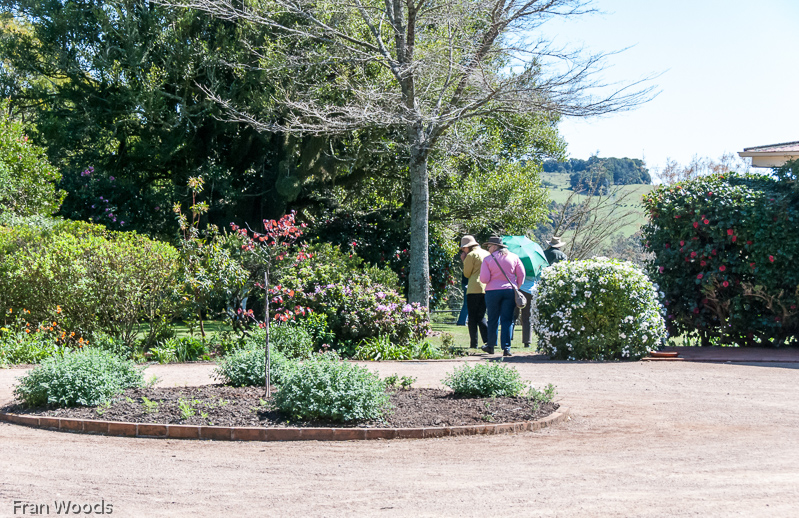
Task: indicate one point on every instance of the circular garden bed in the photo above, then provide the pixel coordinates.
(242, 413)
(220, 405)
(321, 398)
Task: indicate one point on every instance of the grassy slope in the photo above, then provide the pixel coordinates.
(561, 192)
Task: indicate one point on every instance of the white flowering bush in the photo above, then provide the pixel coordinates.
(598, 309)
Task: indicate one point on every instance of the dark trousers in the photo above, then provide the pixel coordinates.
(476, 304)
(500, 305)
(525, 317)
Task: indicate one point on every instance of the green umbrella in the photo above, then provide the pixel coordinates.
(530, 252)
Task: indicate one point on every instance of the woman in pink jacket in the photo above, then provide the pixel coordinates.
(500, 299)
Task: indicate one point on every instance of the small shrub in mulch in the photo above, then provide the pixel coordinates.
(485, 380)
(86, 377)
(334, 390)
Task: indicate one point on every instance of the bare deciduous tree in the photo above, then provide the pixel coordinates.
(418, 65)
(588, 220)
(674, 172)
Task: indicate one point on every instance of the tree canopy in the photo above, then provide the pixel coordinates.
(418, 69)
(27, 179)
(601, 173)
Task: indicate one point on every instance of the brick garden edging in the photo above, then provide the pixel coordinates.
(241, 433)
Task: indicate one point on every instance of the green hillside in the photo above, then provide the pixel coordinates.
(559, 191)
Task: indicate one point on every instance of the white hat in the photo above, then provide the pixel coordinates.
(468, 240)
(556, 242)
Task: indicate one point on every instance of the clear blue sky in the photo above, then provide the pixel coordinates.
(730, 76)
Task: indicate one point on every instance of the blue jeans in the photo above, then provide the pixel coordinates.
(500, 305)
(464, 311)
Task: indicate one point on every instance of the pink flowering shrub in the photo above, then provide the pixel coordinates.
(358, 301)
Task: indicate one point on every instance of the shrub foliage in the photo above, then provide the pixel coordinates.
(85, 276)
(246, 367)
(357, 302)
(598, 309)
(725, 249)
(292, 341)
(334, 390)
(27, 179)
(485, 380)
(88, 377)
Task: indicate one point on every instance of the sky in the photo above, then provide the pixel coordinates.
(728, 76)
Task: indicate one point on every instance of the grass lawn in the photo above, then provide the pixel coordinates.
(460, 335)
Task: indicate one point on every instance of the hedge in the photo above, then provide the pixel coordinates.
(725, 248)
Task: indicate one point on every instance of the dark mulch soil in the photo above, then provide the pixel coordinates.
(221, 405)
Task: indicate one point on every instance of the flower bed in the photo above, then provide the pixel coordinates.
(217, 405)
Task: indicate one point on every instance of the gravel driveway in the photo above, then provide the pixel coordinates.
(645, 439)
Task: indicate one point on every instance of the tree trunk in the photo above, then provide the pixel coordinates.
(419, 275)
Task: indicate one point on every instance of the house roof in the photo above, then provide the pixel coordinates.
(785, 147)
(773, 155)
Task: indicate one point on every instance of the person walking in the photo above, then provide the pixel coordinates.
(554, 254)
(525, 314)
(501, 272)
(473, 257)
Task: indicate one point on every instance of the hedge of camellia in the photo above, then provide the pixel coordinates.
(598, 309)
(725, 248)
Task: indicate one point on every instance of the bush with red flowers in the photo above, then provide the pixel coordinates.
(725, 249)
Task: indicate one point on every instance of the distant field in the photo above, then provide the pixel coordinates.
(561, 192)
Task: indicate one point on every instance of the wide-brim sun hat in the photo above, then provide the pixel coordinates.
(556, 242)
(468, 240)
(496, 241)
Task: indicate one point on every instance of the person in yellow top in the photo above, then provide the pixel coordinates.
(472, 256)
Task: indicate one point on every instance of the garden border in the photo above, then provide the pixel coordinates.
(242, 433)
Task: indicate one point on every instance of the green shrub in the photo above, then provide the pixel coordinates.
(381, 348)
(212, 278)
(185, 349)
(87, 377)
(485, 380)
(598, 309)
(226, 342)
(88, 278)
(334, 390)
(27, 179)
(725, 248)
(316, 325)
(293, 341)
(328, 264)
(163, 354)
(115, 346)
(17, 347)
(245, 367)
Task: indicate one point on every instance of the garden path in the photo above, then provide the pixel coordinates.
(647, 439)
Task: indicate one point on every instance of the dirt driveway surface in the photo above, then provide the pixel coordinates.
(645, 439)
